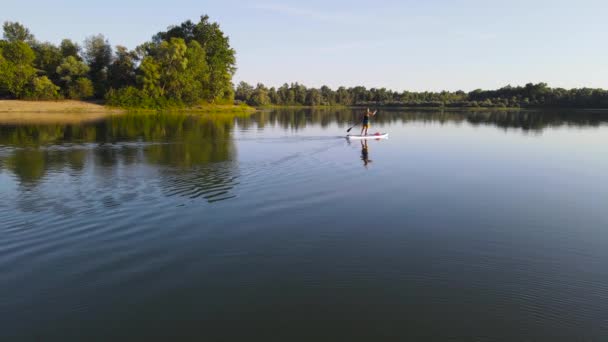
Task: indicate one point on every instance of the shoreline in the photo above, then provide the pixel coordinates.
(71, 111)
(47, 112)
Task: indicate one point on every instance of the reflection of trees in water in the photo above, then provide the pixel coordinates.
(187, 145)
(32, 164)
(527, 120)
(190, 146)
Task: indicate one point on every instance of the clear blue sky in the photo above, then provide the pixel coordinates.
(407, 44)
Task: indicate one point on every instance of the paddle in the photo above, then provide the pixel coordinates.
(348, 130)
(357, 124)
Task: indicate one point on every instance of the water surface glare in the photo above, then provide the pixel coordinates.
(464, 226)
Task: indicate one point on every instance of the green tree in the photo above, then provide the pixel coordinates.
(220, 57)
(121, 72)
(328, 96)
(244, 91)
(313, 97)
(164, 73)
(259, 97)
(48, 58)
(69, 48)
(98, 55)
(16, 67)
(42, 88)
(71, 71)
(344, 97)
(150, 77)
(82, 88)
(196, 74)
(15, 32)
(173, 62)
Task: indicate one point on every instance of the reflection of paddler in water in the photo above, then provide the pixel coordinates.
(365, 153)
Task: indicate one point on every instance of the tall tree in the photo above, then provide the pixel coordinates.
(121, 73)
(313, 97)
(259, 97)
(196, 74)
(162, 72)
(98, 55)
(74, 83)
(69, 48)
(244, 91)
(219, 55)
(16, 67)
(48, 58)
(15, 32)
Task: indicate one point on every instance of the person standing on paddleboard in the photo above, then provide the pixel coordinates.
(366, 118)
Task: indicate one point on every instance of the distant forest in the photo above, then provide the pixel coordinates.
(530, 95)
(193, 64)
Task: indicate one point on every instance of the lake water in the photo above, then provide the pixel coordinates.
(459, 227)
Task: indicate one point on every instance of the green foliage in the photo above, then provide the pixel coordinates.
(42, 88)
(259, 97)
(220, 57)
(187, 65)
(129, 97)
(244, 91)
(172, 61)
(74, 83)
(121, 73)
(193, 63)
(69, 48)
(162, 73)
(82, 88)
(150, 77)
(531, 95)
(313, 98)
(48, 58)
(71, 68)
(175, 70)
(132, 97)
(16, 68)
(98, 56)
(195, 76)
(15, 32)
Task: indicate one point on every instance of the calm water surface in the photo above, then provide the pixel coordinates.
(459, 227)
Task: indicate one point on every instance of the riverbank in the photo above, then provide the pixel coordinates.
(203, 109)
(302, 107)
(383, 107)
(70, 111)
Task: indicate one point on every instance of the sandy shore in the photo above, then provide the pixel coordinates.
(15, 111)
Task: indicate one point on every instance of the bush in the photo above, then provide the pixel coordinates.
(131, 97)
(41, 88)
(82, 88)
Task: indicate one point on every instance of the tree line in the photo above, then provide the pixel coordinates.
(188, 64)
(192, 63)
(530, 95)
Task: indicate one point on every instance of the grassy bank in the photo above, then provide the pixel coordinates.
(302, 107)
(409, 108)
(67, 106)
(447, 109)
(15, 111)
(202, 109)
(69, 111)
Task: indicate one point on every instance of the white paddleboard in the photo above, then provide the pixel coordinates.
(369, 136)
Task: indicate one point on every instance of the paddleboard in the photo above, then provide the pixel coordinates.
(369, 136)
